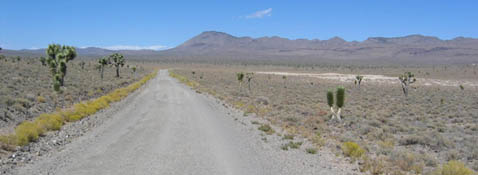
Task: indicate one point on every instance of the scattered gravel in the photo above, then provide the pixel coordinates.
(165, 128)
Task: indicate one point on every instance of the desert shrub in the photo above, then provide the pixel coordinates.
(353, 150)
(311, 150)
(251, 109)
(49, 121)
(373, 166)
(26, 132)
(41, 99)
(292, 145)
(407, 161)
(288, 137)
(317, 140)
(8, 140)
(452, 155)
(266, 128)
(453, 168)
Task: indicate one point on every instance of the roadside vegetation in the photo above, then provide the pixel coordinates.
(41, 94)
(29, 131)
(403, 127)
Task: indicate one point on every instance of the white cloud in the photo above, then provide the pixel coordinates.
(129, 47)
(260, 14)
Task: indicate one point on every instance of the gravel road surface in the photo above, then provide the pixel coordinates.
(171, 129)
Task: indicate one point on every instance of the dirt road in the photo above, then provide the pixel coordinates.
(170, 129)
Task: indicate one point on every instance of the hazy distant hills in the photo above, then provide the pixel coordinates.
(87, 52)
(407, 49)
(219, 46)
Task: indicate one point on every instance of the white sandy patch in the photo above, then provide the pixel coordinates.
(375, 78)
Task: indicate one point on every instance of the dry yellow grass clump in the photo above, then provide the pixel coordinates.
(353, 150)
(184, 80)
(29, 131)
(453, 168)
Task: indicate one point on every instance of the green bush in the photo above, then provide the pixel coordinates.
(267, 129)
(311, 150)
(352, 149)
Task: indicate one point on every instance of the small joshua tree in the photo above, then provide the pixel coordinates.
(358, 80)
(2, 57)
(284, 78)
(133, 68)
(406, 79)
(58, 56)
(82, 65)
(102, 63)
(117, 60)
(240, 78)
(249, 77)
(339, 103)
(43, 61)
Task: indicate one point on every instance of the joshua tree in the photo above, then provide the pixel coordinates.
(284, 78)
(249, 77)
(82, 65)
(102, 63)
(117, 60)
(240, 78)
(133, 68)
(406, 79)
(98, 67)
(58, 56)
(462, 87)
(43, 61)
(339, 103)
(358, 80)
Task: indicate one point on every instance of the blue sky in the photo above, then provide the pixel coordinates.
(161, 24)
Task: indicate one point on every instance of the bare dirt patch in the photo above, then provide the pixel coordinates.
(375, 78)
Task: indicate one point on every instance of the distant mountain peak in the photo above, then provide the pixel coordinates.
(213, 34)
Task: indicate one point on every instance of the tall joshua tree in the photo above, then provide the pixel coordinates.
(406, 79)
(102, 63)
(58, 56)
(249, 77)
(240, 78)
(358, 80)
(117, 60)
(339, 103)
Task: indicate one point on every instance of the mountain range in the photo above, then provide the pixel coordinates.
(219, 46)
